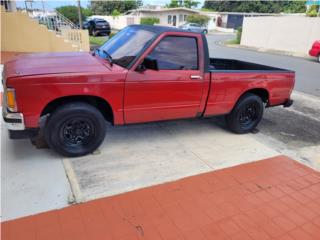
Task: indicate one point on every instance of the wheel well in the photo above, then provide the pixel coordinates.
(261, 92)
(102, 105)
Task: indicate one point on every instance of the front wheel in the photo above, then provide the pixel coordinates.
(75, 129)
(246, 115)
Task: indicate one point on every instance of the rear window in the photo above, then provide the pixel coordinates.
(101, 22)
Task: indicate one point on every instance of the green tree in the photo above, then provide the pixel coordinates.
(71, 12)
(266, 6)
(107, 7)
(182, 3)
(190, 4)
(197, 18)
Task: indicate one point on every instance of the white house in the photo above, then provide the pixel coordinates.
(167, 16)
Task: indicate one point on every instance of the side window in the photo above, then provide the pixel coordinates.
(176, 53)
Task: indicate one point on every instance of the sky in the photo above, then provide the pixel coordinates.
(51, 4)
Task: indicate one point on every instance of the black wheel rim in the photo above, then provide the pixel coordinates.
(76, 132)
(248, 115)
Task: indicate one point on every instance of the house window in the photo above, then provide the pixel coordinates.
(185, 18)
(174, 20)
(169, 19)
(180, 18)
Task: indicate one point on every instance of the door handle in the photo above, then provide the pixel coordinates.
(195, 77)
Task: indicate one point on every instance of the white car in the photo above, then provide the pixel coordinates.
(194, 27)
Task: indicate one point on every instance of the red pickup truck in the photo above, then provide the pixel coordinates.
(315, 50)
(142, 74)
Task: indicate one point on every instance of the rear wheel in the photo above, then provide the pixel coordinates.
(90, 31)
(319, 58)
(246, 115)
(75, 129)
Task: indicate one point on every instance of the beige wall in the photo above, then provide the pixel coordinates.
(286, 33)
(20, 33)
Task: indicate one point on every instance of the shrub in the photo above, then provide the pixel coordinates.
(115, 13)
(197, 18)
(313, 11)
(149, 20)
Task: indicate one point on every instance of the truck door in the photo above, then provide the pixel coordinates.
(167, 81)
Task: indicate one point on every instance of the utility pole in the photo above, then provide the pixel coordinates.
(79, 14)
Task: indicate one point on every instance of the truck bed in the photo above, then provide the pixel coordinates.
(220, 64)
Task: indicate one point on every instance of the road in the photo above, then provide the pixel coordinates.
(293, 131)
(307, 70)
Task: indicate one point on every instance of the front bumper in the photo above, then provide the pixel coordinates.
(14, 121)
(16, 126)
(103, 30)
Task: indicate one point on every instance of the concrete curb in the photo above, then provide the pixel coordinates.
(76, 195)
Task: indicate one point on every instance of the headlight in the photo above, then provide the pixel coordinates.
(11, 99)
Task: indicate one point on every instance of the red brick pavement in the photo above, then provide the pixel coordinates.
(276, 198)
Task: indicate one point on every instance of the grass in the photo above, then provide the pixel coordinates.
(233, 41)
(97, 40)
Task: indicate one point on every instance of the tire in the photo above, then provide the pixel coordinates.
(319, 58)
(246, 115)
(90, 31)
(95, 33)
(75, 129)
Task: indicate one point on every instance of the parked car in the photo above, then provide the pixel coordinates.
(97, 27)
(143, 74)
(194, 27)
(315, 50)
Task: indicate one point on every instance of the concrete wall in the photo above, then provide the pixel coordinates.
(20, 33)
(79, 38)
(287, 33)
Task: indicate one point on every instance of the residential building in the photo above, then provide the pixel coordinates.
(167, 16)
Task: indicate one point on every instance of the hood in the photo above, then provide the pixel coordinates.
(53, 63)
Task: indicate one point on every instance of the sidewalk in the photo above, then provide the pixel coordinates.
(276, 198)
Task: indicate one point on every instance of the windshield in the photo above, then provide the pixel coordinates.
(126, 45)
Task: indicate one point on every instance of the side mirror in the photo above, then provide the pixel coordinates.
(150, 63)
(141, 68)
